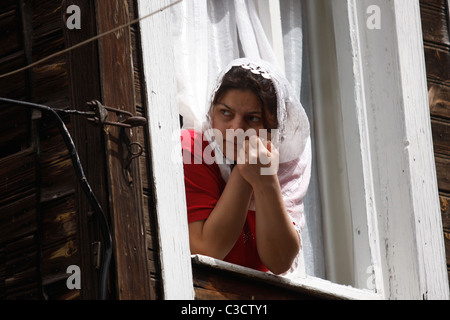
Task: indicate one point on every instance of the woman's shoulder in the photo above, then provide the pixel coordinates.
(197, 160)
(195, 148)
(191, 140)
(191, 134)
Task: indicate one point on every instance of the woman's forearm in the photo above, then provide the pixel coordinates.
(216, 236)
(277, 240)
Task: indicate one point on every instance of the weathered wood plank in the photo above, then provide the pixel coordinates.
(445, 210)
(441, 136)
(14, 131)
(17, 173)
(59, 219)
(443, 172)
(437, 4)
(47, 26)
(56, 169)
(8, 5)
(56, 257)
(18, 218)
(84, 86)
(117, 82)
(151, 236)
(57, 209)
(436, 60)
(13, 87)
(227, 286)
(10, 37)
(434, 23)
(21, 273)
(439, 96)
(208, 294)
(51, 82)
(57, 290)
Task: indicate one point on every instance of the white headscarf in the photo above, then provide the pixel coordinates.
(292, 141)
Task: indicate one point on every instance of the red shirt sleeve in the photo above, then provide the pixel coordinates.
(203, 182)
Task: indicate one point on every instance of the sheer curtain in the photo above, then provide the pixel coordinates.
(208, 34)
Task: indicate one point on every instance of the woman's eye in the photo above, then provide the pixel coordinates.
(255, 119)
(225, 112)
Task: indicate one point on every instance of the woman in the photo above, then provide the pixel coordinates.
(248, 170)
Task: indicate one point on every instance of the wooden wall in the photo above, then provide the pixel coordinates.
(40, 216)
(436, 28)
(38, 220)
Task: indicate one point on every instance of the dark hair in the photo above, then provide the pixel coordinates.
(243, 79)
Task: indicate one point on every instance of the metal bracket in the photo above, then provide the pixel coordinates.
(96, 253)
(101, 114)
(98, 116)
(126, 120)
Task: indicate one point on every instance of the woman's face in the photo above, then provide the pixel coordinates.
(236, 109)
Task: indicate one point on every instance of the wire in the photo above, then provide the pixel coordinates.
(104, 227)
(88, 41)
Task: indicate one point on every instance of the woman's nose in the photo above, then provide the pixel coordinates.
(238, 123)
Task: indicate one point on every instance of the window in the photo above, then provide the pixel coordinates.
(386, 175)
(347, 251)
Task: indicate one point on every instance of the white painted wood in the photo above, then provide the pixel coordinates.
(419, 154)
(314, 285)
(394, 128)
(354, 122)
(168, 177)
(373, 96)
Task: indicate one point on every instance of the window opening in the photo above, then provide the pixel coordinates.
(335, 239)
(198, 34)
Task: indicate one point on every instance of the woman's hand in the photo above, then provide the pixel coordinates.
(257, 161)
(277, 241)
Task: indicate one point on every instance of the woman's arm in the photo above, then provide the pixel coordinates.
(277, 240)
(216, 236)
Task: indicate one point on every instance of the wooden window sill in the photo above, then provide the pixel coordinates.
(216, 279)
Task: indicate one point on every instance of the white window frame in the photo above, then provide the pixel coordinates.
(384, 118)
(168, 177)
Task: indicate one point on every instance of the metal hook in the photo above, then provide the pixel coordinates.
(133, 155)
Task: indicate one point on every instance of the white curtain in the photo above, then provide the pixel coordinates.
(208, 34)
(298, 74)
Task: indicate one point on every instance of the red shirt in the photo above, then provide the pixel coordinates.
(204, 186)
